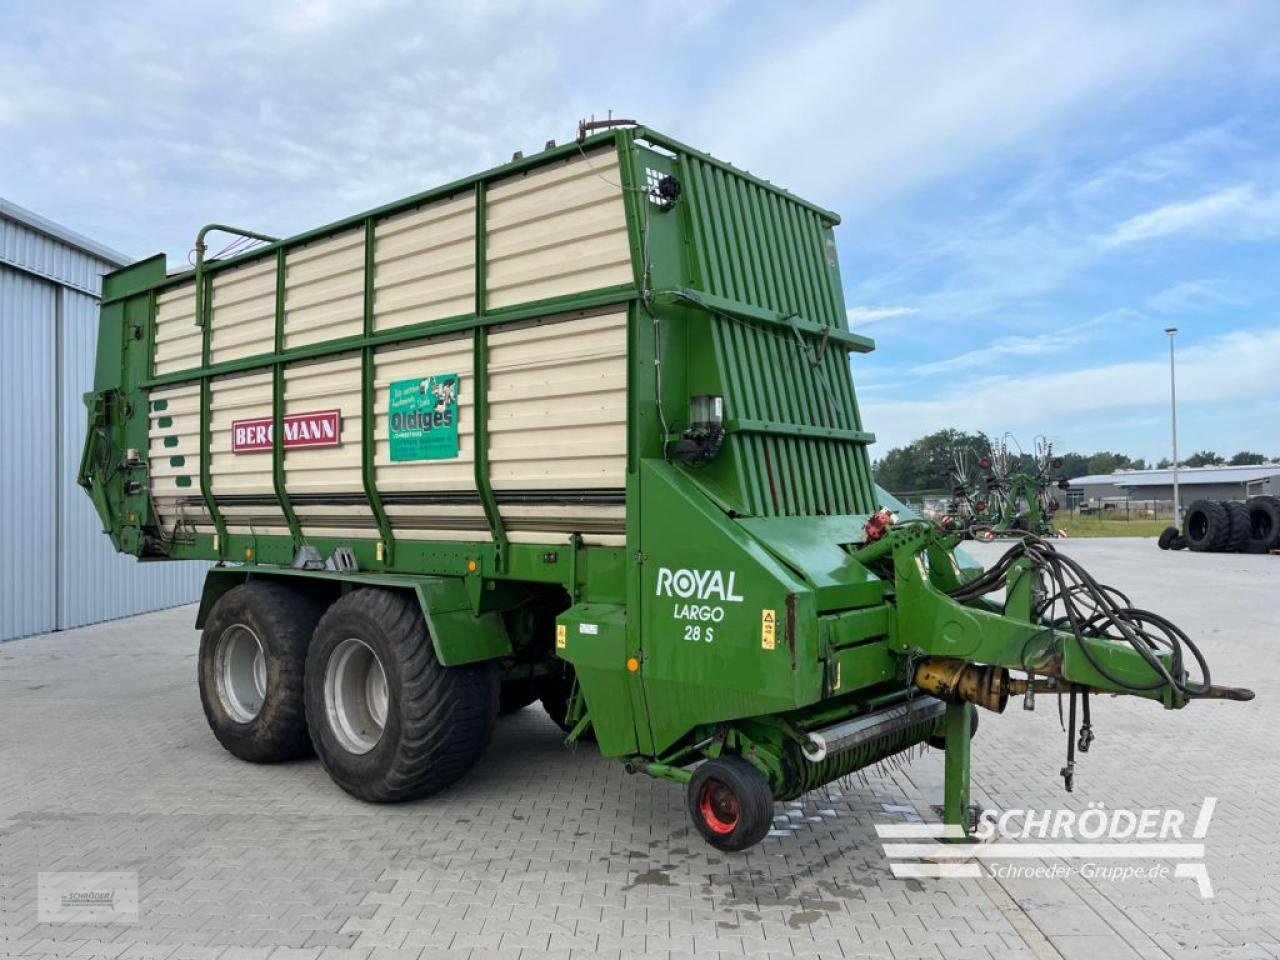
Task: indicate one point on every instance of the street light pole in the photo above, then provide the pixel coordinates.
(1173, 416)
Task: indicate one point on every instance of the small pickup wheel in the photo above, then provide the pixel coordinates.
(731, 803)
(388, 721)
(252, 653)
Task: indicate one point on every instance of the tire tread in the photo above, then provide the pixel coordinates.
(446, 714)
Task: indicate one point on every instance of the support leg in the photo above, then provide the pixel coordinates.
(955, 806)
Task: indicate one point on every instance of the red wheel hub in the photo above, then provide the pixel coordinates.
(718, 807)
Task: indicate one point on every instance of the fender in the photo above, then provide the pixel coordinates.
(458, 633)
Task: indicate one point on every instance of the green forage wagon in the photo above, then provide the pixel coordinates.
(579, 429)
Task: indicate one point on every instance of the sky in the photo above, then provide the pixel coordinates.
(1030, 193)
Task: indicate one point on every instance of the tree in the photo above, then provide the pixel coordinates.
(1073, 465)
(1203, 458)
(1247, 458)
(1107, 462)
(927, 463)
(1164, 464)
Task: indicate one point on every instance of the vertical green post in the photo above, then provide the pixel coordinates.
(955, 804)
(153, 307)
(368, 403)
(277, 410)
(206, 474)
(480, 407)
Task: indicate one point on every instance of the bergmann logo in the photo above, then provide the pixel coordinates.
(706, 585)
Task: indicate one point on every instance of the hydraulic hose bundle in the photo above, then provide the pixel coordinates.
(1070, 601)
(1080, 605)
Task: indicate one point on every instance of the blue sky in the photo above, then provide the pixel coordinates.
(1030, 192)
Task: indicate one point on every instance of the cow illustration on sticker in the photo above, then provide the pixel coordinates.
(423, 415)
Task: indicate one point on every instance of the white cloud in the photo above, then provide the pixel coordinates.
(865, 316)
(1236, 368)
(994, 354)
(1005, 353)
(917, 91)
(1181, 160)
(1243, 210)
(1190, 296)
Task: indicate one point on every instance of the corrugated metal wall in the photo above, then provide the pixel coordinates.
(28, 461)
(57, 569)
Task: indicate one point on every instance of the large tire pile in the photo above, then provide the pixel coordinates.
(1227, 526)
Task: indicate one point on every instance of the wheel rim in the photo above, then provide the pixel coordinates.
(719, 807)
(240, 666)
(355, 695)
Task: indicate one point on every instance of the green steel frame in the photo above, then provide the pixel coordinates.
(735, 292)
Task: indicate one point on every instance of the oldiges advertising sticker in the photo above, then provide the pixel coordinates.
(424, 418)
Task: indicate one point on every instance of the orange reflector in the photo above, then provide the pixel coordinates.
(471, 565)
(633, 664)
(248, 553)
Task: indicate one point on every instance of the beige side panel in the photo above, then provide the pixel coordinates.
(243, 309)
(311, 388)
(178, 339)
(424, 263)
(173, 453)
(324, 290)
(423, 359)
(450, 522)
(558, 404)
(237, 477)
(557, 230)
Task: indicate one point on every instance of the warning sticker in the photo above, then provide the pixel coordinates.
(562, 636)
(768, 628)
(424, 418)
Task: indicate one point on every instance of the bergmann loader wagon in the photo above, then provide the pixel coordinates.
(579, 429)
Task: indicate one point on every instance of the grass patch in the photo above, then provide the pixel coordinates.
(1098, 527)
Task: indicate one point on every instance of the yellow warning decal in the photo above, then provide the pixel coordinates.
(562, 634)
(768, 628)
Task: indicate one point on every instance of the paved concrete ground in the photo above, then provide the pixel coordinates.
(106, 765)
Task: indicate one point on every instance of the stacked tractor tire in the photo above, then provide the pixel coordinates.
(1227, 526)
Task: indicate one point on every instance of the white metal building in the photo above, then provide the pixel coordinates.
(1194, 483)
(57, 569)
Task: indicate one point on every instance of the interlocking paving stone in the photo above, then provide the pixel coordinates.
(106, 764)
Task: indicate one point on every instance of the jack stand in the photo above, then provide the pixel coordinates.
(955, 805)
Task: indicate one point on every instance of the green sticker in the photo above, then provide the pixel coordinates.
(424, 418)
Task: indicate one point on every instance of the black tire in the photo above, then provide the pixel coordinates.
(516, 695)
(1206, 526)
(1238, 515)
(730, 803)
(1264, 523)
(1178, 543)
(939, 741)
(255, 707)
(1167, 536)
(437, 720)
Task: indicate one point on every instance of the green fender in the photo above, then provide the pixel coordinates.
(458, 633)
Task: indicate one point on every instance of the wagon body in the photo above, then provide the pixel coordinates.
(594, 407)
